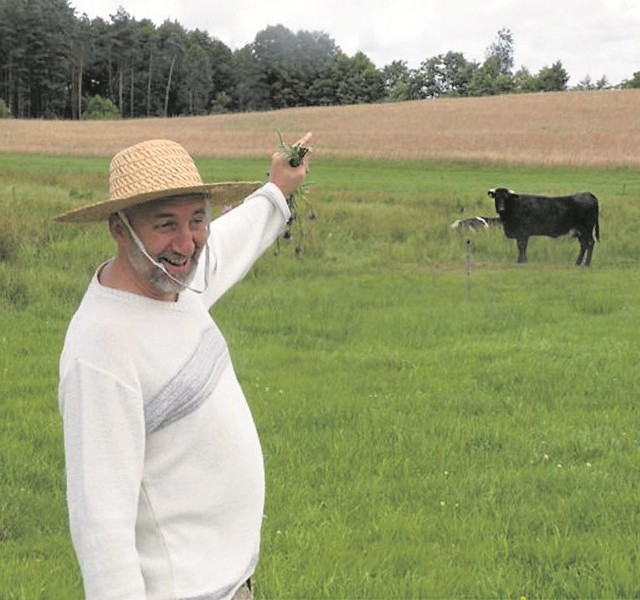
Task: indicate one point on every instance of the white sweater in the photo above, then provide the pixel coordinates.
(165, 479)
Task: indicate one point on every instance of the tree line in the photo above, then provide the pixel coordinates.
(56, 64)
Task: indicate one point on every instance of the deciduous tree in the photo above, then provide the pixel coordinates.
(553, 78)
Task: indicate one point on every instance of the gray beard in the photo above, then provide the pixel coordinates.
(155, 276)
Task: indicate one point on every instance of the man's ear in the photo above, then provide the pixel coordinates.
(117, 229)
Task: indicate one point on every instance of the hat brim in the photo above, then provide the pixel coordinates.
(218, 194)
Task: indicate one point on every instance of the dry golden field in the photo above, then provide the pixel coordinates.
(598, 128)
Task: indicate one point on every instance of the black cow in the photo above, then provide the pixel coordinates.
(524, 215)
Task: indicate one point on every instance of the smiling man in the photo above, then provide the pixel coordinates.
(165, 480)
(175, 231)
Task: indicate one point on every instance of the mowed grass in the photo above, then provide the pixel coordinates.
(437, 421)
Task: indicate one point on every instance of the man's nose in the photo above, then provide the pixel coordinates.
(184, 241)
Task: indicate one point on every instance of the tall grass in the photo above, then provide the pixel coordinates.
(590, 128)
(437, 421)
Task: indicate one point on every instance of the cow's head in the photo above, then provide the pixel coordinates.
(503, 198)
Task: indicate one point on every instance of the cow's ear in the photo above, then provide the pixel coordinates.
(491, 193)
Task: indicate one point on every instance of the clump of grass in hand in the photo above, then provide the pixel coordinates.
(296, 153)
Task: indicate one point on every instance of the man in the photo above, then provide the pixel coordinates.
(165, 479)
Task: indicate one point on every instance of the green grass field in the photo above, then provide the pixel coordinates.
(437, 421)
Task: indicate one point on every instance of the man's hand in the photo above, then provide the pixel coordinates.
(287, 177)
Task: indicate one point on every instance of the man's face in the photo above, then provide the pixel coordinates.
(174, 232)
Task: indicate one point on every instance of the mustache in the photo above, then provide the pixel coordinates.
(177, 260)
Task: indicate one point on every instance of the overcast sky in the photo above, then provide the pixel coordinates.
(589, 37)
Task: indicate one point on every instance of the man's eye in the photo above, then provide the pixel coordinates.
(166, 225)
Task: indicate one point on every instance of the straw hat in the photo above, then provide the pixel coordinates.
(152, 170)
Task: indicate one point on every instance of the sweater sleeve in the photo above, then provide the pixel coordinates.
(238, 238)
(104, 441)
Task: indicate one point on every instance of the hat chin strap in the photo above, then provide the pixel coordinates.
(159, 265)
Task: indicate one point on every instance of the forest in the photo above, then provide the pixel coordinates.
(56, 64)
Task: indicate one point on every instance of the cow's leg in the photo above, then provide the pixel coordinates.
(587, 260)
(522, 249)
(586, 250)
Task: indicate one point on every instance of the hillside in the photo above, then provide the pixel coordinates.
(598, 128)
